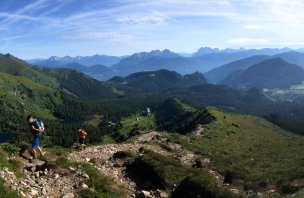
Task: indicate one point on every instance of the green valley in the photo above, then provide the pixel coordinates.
(224, 150)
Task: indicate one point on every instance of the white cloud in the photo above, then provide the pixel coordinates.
(16, 16)
(141, 19)
(248, 41)
(176, 24)
(114, 36)
(15, 37)
(20, 14)
(252, 26)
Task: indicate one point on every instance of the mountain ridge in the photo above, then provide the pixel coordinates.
(271, 73)
(158, 81)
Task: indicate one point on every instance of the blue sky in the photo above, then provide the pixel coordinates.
(42, 28)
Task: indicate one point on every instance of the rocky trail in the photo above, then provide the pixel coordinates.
(41, 179)
(115, 168)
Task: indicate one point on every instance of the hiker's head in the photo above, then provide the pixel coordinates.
(30, 119)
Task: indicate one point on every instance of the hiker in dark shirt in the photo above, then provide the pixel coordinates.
(36, 128)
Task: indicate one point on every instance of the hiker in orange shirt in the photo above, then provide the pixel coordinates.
(82, 136)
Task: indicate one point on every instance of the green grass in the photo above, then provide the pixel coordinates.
(166, 172)
(202, 184)
(251, 151)
(93, 120)
(15, 66)
(185, 106)
(143, 123)
(107, 140)
(299, 194)
(103, 186)
(12, 165)
(58, 150)
(5, 192)
(24, 95)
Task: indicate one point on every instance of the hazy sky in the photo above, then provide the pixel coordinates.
(42, 28)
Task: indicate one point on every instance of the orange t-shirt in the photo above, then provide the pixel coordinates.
(82, 134)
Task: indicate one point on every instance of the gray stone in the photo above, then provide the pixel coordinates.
(44, 191)
(22, 194)
(34, 192)
(68, 195)
(84, 186)
(72, 168)
(32, 182)
(144, 194)
(33, 168)
(259, 194)
(56, 176)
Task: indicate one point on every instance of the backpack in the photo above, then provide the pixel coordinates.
(41, 124)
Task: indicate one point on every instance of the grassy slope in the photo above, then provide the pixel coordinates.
(164, 172)
(80, 84)
(12, 65)
(253, 152)
(143, 123)
(24, 95)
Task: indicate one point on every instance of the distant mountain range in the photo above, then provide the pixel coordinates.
(265, 51)
(220, 73)
(83, 60)
(271, 73)
(204, 60)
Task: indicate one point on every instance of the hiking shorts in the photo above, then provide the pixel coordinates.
(36, 141)
(81, 141)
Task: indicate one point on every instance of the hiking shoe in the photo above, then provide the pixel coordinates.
(33, 160)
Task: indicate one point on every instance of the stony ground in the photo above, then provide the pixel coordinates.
(41, 180)
(116, 169)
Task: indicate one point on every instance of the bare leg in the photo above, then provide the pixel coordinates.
(34, 153)
(40, 150)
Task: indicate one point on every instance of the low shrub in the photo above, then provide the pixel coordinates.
(288, 188)
(201, 184)
(122, 155)
(11, 148)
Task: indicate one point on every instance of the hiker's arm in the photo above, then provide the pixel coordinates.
(38, 130)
